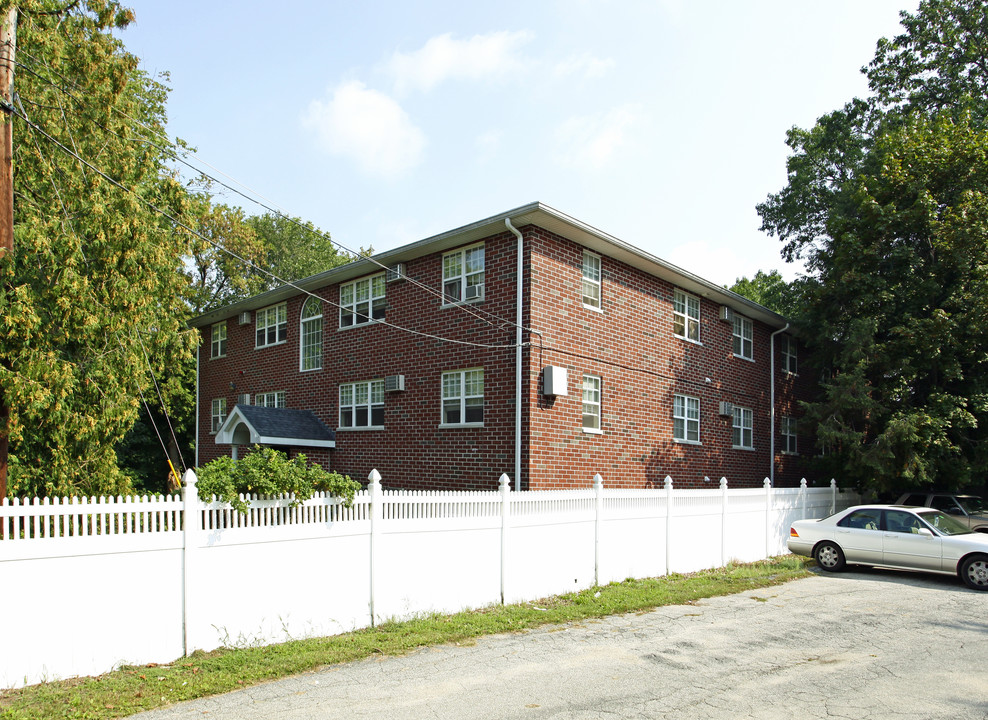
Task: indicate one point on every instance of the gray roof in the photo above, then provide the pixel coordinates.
(277, 426)
(534, 213)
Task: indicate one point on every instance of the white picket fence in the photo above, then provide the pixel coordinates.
(93, 584)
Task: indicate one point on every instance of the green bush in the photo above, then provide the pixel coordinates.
(266, 471)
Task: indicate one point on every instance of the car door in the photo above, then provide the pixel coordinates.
(860, 537)
(903, 545)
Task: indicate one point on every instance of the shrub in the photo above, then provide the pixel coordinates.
(267, 471)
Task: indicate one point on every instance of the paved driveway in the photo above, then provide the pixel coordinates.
(864, 644)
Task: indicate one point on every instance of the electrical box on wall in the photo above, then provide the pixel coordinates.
(554, 380)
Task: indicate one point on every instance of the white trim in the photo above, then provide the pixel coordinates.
(302, 321)
(598, 283)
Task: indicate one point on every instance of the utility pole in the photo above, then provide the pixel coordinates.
(8, 45)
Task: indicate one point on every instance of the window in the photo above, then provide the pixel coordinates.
(310, 334)
(219, 415)
(742, 428)
(865, 519)
(362, 404)
(270, 399)
(686, 419)
(788, 435)
(362, 301)
(272, 325)
(789, 354)
(463, 397)
(463, 275)
(591, 280)
(686, 316)
(218, 345)
(591, 403)
(742, 337)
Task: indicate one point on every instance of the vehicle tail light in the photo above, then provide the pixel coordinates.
(793, 533)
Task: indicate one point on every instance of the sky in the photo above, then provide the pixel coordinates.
(660, 122)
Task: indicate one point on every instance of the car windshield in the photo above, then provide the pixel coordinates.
(972, 505)
(944, 523)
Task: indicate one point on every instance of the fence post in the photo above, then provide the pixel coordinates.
(723, 521)
(190, 541)
(505, 488)
(768, 517)
(833, 496)
(668, 519)
(598, 488)
(802, 498)
(376, 518)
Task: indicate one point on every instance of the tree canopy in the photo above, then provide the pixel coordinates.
(770, 290)
(886, 202)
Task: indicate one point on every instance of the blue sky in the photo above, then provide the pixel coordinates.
(660, 122)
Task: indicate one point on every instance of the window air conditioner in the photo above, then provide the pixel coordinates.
(395, 272)
(393, 383)
(474, 292)
(726, 408)
(245, 318)
(726, 314)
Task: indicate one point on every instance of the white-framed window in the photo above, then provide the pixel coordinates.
(591, 280)
(362, 404)
(271, 399)
(463, 397)
(742, 434)
(743, 333)
(788, 345)
(591, 404)
(272, 325)
(217, 346)
(218, 415)
(686, 418)
(310, 335)
(686, 315)
(363, 301)
(463, 275)
(788, 430)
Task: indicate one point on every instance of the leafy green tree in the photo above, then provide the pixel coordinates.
(772, 291)
(268, 472)
(93, 297)
(294, 249)
(885, 202)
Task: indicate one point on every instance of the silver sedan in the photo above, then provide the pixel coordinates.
(894, 536)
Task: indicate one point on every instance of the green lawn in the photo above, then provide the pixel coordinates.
(133, 689)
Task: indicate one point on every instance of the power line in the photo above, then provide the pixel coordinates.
(479, 313)
(220, 247)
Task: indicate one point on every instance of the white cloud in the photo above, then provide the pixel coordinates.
(591, 141)
(586, 65)
(443, 58)
(368, 127)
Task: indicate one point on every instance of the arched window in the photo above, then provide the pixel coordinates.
(310, 352)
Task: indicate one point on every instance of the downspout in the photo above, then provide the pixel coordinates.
(771, 457)
(518, 356)
(198, 348)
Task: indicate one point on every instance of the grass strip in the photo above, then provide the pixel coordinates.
(133, 689)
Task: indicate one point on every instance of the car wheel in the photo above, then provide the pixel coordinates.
(829, 556)
(974, 572)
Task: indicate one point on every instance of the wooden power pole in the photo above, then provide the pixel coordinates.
(8, 45)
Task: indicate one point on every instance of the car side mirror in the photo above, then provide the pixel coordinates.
(925, 532)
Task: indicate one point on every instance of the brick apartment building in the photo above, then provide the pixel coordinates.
(417, 361)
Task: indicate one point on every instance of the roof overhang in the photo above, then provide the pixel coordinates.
(532, 214)
(241, 429)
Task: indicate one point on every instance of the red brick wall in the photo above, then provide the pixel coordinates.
(630, 346)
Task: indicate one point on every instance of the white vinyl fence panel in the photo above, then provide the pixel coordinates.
(139, 580)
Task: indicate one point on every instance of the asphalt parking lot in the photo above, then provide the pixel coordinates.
(862, 644)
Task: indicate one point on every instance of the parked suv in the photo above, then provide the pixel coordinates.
(969, 509)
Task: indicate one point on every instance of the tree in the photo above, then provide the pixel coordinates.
(92, 300)
(770, 290)
(886, 203)
(294, 249)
